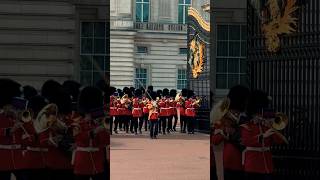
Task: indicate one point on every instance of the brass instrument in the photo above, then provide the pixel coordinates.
(280, 121)
(46, 117)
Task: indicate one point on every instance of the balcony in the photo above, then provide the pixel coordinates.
(160, 27)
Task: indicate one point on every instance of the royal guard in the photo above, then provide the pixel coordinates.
(192, 104)
(145, 109)
(113, 109)
(173, 109)
(11, 149)
(136, 112)
(226, 136)
(91, 136)
(258, 135)
(180, 99)
(126, 111)
(164, 112)
(153, 118)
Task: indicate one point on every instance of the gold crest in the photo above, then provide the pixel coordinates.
(196, 59)
(280, 23)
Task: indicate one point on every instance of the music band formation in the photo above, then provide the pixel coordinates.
(244, 129)
(136, 110)
(60, 133)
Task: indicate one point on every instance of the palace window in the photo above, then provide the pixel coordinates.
(183, 11)
(94, 64)
(183, 51)
(141, 78)
(231, 56)
(182, 79)
(142, 50)
(142, 10)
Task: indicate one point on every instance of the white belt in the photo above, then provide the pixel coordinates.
(164, 108)
(136, 108)
(190, 108)
(256, 149)
(113, 108)
(10, 147)
(87, 149)
(37, 149)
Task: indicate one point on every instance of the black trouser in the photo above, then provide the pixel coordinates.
(126, 121)
(163, 124)
(257, 176)
(153, 128)
(134, 124)
(61, 174)
(175, 122)
(232, 174)
(19, 174)
(146, 122)
(169, 123)
(87, 177)
(183, 123)
(38, 174)
(117, 123)
(141, 121)
(191, 124)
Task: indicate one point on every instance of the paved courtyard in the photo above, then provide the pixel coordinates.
(170, 157)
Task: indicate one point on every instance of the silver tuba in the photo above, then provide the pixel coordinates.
(46, 118)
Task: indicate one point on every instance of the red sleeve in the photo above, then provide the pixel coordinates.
(103, 138)
(216, 139)
(249, 138)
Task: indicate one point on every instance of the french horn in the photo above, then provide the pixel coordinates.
(46, 118)
(280, 121)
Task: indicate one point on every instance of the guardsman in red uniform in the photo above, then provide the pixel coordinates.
(191, 105)
(164, 113)
(226, 136)
(136, 112)
(153, 118)
(91, 137)
(173, 109)
(10, 138)
(119, 113)
(258, 136)
(126, 112)
(113, 112)
(181, 110)
(145, 110)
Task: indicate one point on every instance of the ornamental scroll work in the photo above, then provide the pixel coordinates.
(198, 38)
(277, 18)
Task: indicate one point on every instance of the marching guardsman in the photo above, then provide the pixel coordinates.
(137, 112)
(180, 99)
(164, 112)
(153, 118)
(113, 110)
(126, 111)
(192, 104)
(119, 113)
(226, 136)
(91, 136)
(145, 101)
(173, 109)
(258, 135)
(10, 139)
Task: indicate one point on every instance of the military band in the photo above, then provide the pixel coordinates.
(171, 107)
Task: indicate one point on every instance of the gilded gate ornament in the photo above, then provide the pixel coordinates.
(276, 20)
(196, 57)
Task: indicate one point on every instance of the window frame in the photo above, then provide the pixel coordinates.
(180, 79)
(142, 3)
(146, 78)
(185, 14)
(241, 57)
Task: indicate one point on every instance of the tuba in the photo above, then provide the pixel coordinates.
(46, 118)
(280, 121)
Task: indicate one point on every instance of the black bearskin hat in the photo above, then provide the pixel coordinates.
(101, 84)
(132, 89)
(142, 90)
(90, 98)
(238, 96)
(165, 92)
(159, 93)
(63, 100)
(258, 100)
(72, 88)
(49, 88)
(190, 93)
(138, 93)
(36, 103)
(112, 90)
(173, 93)
(29, 92)
(8, 90)
(150, 88)
(184, 92)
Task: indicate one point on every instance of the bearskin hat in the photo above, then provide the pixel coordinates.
(258, 100)
(112, 90)
(190, 94)
(29, 92)
(184, 92)
(101, 84)
(90, 98)
(165, 92)
(36, 103)
(49, 88)
(132, 89)
(72, 88)
(9, 89)
(63, 100)
(238, 96)
(159, 93)
(173, 93)
(150, 88)
(138, 93)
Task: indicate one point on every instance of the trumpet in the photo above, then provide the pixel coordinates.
(280, 121)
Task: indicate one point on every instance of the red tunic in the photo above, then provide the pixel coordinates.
(113, 106)
(190, 108)
(180, 106)
(89, 154)
(164, 108)
(137, 110)
(257, 156)
(10, 146)
(232, 156)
